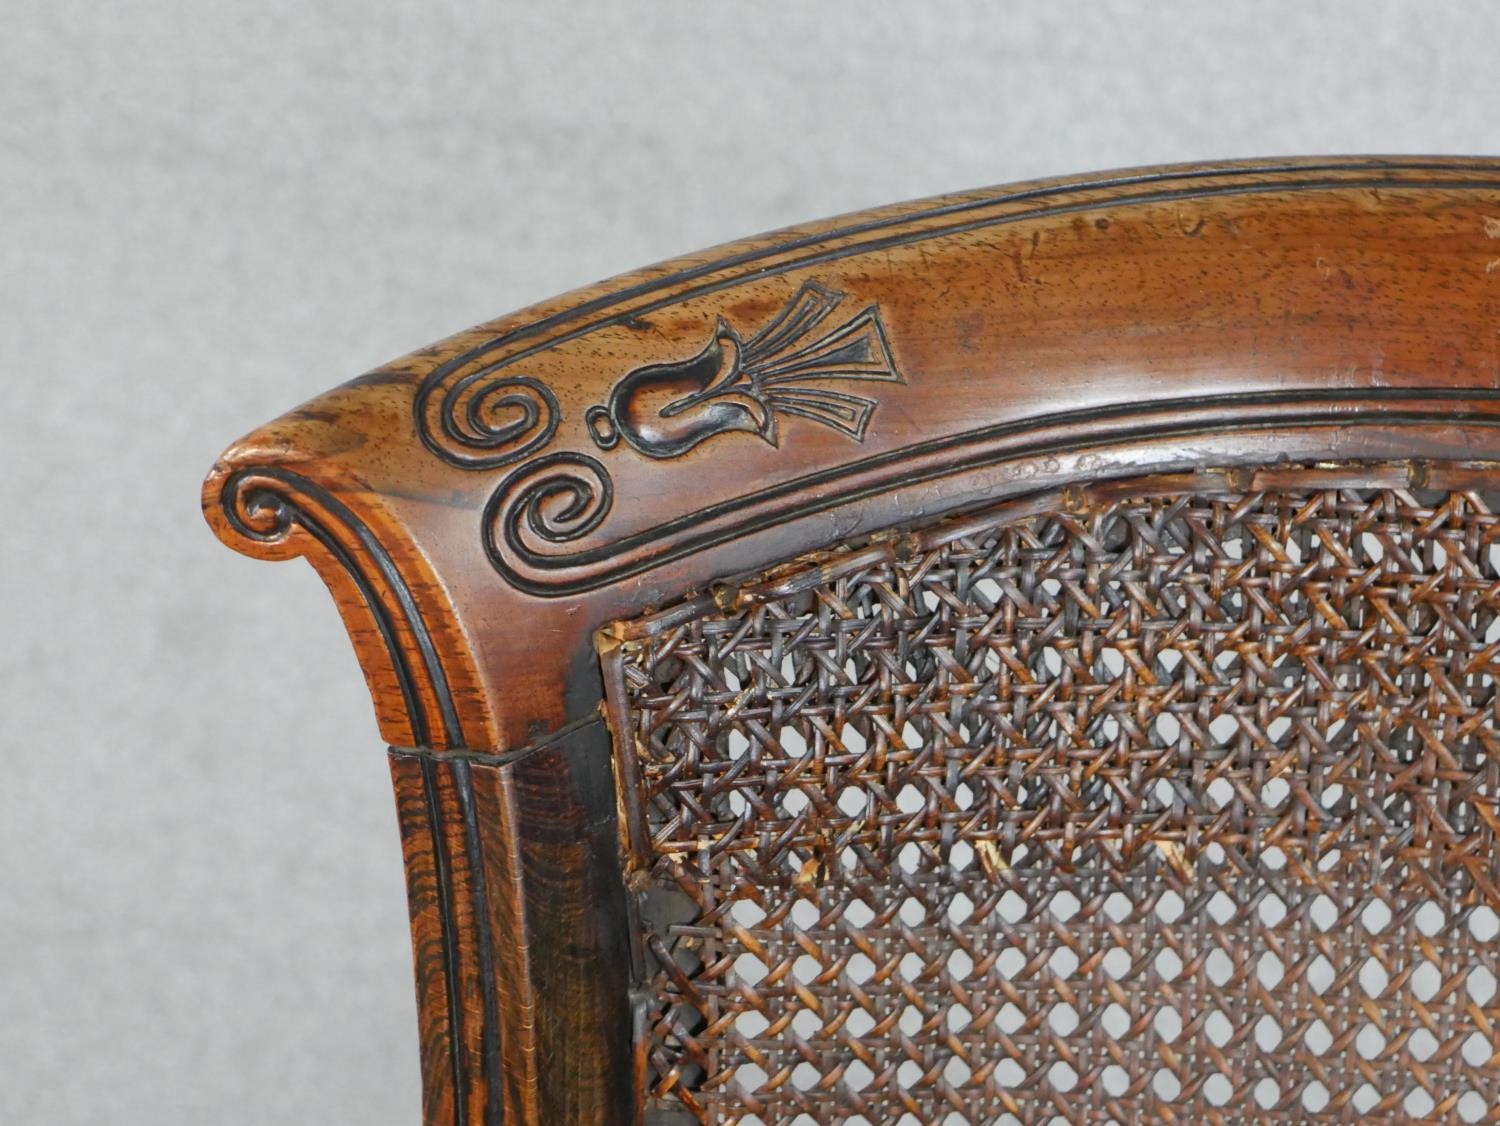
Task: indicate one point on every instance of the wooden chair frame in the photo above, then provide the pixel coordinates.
(484, 509)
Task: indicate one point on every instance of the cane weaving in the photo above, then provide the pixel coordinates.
(1131, 806)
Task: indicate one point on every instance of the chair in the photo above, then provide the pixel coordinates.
(1022, 656)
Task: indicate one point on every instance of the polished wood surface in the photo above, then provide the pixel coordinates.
(481, 508)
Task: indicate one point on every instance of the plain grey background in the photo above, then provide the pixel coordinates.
(210, 211)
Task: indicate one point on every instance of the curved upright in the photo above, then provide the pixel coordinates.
(1028, 652)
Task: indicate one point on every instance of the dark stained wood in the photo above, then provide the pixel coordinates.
(518, 913)
(577, 932)
(426, 903)
(480, 508)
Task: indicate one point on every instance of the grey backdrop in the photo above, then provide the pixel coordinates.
(210, 211)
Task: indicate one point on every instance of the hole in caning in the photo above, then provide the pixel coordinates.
(1315, 1096)
(1217, 1089)
(806, 1023)
(1267, 1033)
(1425, 981)
(749, 969)
(1061, 1076)
(749, 1078)
(1063, 962)
(1484, 923)
(1418, 1103)
(1373, 978)
(1317, 1037)
(1480, 984)
(1421, 1044)
(806, 968)
(1168, 1024)
(960, 964)
(1369, 1042)
(1218, 1029)
(1267, 1093)
(1477, 1050)
(1472, 1107)
(805, 1076)
(1320, 975)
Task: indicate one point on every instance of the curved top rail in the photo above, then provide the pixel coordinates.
(480, 507)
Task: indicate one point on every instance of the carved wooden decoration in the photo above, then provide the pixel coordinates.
(517, 521)
(664, 410)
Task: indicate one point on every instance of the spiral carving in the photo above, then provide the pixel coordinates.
(284, 514)
(553, 500)
(261, 505)
(485, 419)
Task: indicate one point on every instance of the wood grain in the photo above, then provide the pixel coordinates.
(480, 508)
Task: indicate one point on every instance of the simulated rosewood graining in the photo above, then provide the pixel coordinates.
(538, 524)
(546, 506)
(481, 508)
(267, 505)
(485, 423)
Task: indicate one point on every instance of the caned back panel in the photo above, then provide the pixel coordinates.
(1172, 799)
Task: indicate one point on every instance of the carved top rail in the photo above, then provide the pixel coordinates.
(480, 507)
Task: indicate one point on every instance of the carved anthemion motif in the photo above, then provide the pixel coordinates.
(485, 417)
(744, 384)
(1062, 339)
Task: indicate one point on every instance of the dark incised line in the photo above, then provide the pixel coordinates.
(506, 758)
(490, 1033)
(748, 256)
(410, 613)
(442, 869)
(442, 863)
(416, 713)
(435, 378)
(907, 238)
(550, 409)
(384, 625)
(821, 503)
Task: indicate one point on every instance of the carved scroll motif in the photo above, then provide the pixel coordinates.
(287, 515)
(483, 417)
